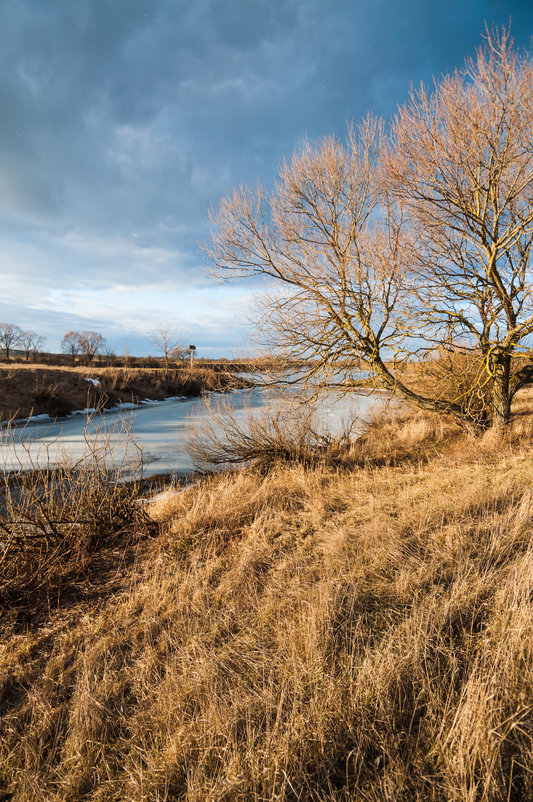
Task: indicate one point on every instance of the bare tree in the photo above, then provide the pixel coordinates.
(180, 353)
(461, 165)
(91, 343)
(380, 252)
(31, 343)
(10, 335)
(70, 344)
(166, 339)
(110, 355)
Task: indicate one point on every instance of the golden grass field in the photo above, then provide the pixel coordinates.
(360, 629)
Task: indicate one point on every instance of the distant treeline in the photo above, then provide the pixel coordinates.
(144, 362)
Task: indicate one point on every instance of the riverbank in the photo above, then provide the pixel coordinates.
(359, 627)
(41, 390)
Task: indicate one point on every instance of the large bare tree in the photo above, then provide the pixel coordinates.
(461, 165)
(382, 250)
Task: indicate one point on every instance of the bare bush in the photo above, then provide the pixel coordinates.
(54, 516)
(291, 434)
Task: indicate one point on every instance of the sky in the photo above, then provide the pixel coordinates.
(124, 121)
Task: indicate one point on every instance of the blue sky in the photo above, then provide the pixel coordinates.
(124, 121)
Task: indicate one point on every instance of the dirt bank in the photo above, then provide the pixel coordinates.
(38, 389)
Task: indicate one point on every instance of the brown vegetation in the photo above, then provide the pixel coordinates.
(355, 631)
(60, 524)
(36, 389)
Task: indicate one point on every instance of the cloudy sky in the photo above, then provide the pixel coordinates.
(123, 121)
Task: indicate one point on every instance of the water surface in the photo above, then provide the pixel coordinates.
(159, 431)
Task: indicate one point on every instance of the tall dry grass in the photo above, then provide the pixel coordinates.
(55, 518)
(306, 633)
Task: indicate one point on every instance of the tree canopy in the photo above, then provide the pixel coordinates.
(405, 252)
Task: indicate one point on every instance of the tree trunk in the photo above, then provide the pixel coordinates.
(396, 388)
(501, 396)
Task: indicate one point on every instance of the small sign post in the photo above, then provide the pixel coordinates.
(192, 349)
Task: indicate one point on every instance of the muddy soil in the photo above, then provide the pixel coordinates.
(36, 390)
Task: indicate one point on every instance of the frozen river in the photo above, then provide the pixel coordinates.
(159, 431)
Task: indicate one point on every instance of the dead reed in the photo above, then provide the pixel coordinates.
(55, 517)
(30, 390)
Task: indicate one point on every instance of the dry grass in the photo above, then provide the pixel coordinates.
(294, 435)
(56, 391)
(290, 434)
(306, 633)
(56, 522)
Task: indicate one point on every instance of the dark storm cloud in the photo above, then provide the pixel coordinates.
(123, 121)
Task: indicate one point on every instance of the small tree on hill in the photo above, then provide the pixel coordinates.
(166, 340)
(31, 343)
(10, 337)
(70, 344)
(91, 344)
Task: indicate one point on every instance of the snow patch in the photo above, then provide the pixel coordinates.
(25, 421)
